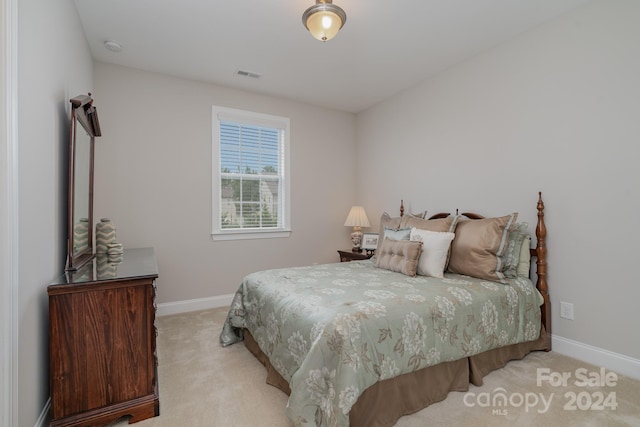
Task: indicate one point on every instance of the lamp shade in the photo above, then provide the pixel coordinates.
(357, 218)
(324, 20)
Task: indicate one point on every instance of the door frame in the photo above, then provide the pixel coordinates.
(9, 213)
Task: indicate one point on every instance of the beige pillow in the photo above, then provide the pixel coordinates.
(435, 250)
(439, 225)
(400, 256)
(478, 246)
(387, 222)
(421, 215)
(524, 264)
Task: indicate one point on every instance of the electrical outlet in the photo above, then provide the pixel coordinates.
(566, 310)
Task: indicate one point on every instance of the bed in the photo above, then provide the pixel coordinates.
(341, 339)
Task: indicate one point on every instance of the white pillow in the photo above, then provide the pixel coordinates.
(435, 250)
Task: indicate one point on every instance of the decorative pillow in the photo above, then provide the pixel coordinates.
(387, 222)
(400, 256)
(511, 255)
(435, 250)
(401, 234)
(524, 264)
(442, 224)
(421, 215)
(478, 246)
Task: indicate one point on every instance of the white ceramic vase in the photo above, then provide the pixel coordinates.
(105, 235)
(81, 235)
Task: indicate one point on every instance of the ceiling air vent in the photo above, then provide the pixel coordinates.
(246, 73)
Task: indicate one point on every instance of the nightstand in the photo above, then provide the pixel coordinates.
(346, 256)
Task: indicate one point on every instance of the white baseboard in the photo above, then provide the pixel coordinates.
(624, 365)
(43, 419)
(177, 307)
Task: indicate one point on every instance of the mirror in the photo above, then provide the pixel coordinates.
(84, 129)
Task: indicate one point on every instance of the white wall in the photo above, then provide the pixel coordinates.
(54, 65)
(153, 180)
(555, 110)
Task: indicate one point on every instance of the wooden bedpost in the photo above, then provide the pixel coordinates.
(541, 262)
(401, 207)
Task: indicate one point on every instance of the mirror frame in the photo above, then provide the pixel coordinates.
(83, 112)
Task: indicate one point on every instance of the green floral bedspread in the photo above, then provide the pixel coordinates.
(333, 330)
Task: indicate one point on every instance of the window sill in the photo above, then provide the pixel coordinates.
(250, 234)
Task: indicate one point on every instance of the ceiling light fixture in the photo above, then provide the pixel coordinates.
(324, 19)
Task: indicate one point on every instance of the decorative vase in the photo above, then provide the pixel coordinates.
(105, 269)
(105, 234)
(115, 251)
(115, 259)
(81, 235)
(114, 247)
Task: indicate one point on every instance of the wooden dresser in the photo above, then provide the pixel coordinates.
(102, 341)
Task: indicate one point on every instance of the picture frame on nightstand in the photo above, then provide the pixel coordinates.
(369, 241)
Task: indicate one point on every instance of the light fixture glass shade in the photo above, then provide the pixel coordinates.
(357, 218)
(324, 20)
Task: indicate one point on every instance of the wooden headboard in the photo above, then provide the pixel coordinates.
(539, 252)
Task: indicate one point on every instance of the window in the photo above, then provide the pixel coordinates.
(250, 175)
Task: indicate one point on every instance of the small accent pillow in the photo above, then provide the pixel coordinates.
(435, 251)
(401, 234)
(400, 256)
(387, 222)
(511, 255)
(478, 246)
(524, 264)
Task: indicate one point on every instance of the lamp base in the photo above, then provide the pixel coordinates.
(356, 239)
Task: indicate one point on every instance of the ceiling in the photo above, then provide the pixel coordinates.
(384, 47)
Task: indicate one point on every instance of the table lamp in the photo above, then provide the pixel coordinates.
(357, 219)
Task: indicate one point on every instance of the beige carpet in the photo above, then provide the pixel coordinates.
(203, 384)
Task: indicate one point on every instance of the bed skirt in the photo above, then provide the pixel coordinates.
(382, 404)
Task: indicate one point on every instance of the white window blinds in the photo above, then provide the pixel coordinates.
(250, 173)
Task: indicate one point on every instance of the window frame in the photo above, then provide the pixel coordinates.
(221, 114)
